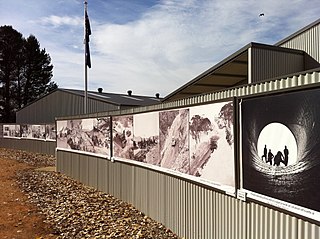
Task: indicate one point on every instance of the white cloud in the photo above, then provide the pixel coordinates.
(168, 45)
(177, 40)
(58, 21)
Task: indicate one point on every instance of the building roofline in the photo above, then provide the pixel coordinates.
(90, 96)
(227, 60)
(81, 94)
(42, 96)
(209, 71)
(311, 71)
(302, 30)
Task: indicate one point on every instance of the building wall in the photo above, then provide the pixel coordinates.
(58, 104)
(308, 41)
(268, 63)
(189, 209)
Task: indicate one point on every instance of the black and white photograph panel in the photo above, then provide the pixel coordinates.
(122, 128)
(101, 135)
(211, 143)
(62, 132)
(38, 131)
(29, 133)
(51, 132)
(280, 147)
(146, 138)
(75, 134)
(5, 130)
(26, 131)
(174, 140)
(11, 130)
(81, 137)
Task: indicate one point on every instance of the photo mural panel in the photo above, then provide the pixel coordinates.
(146, 138)
(174, 140)
(62, 132)
(211, 134)
(38, 132)
(101, 137)
(11, 130)
(51, 133)
(280, 150)
(195, 143)
(122, 133)
(26, 131)
(91, 135)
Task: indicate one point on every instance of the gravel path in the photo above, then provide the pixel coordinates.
(76, 211)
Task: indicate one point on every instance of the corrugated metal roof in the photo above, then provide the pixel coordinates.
(230, 72)
(298, 32)
(109, 98)
(116, 99)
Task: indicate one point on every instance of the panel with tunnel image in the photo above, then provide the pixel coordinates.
(280, 150)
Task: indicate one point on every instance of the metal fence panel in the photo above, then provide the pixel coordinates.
(189, 209)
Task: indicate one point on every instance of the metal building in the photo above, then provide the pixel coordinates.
(64, 103)
(307, 39)
(68, 102)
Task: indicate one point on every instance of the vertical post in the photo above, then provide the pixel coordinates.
(250, 65)
(85, 103)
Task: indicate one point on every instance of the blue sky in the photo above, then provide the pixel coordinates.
(150, 46)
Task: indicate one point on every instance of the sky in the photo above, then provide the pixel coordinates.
(150, 46)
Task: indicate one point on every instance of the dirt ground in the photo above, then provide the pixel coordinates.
(18, 218)
(36, 203)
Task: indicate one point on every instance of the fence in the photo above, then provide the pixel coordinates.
(35, 146)
(30, 144)
(191, 209)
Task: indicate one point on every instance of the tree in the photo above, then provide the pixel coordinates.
(25, 71)
(11, 45)
(37, 71)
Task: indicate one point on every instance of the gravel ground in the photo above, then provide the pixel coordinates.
(77, 211)
(32, 159)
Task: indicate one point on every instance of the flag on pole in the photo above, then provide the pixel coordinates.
(87, 34)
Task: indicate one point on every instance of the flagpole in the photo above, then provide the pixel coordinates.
(85, 61)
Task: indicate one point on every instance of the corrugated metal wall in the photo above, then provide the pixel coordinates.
(58, 104)
(268, 64)
(308, 41)
(191, 210)
(35, 146)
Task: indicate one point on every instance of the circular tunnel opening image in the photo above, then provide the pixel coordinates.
(280, 146)
(277, 145)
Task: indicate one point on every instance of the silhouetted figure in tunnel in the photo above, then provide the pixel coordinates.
(265, 152)
(278, 159)
(286, 156)
(270, 157)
